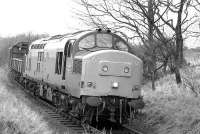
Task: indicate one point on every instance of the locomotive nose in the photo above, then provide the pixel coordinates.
(110, 72)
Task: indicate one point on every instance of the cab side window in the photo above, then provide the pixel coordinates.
(121, 46)
(58, 67)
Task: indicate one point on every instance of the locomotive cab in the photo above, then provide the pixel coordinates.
(109, 74)
(106, 66)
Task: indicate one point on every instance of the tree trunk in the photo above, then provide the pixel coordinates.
(150, 39)
(153, 80)
(179, 44)
(153, 71)
(164, 69)
(179, 47)
(177, 75)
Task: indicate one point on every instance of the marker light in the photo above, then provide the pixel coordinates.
(126, 69)
(105, 68)
(89, 84)
(136, 88)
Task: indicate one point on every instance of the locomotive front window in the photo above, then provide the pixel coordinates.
(87, 42)
(104, 40)
(121, 46)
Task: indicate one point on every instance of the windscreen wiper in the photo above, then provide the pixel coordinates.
(87, 49)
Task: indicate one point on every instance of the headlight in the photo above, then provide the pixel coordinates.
(126, 69)
(115, 85)
(105, 68)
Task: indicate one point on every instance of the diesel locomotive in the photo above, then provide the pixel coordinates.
(90, 74)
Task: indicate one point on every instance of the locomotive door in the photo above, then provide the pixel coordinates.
(67, 59)
(70, 79)
(45, 65)
(39, 64)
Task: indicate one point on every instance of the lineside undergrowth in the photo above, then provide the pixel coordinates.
(172, 108)
(15, 116)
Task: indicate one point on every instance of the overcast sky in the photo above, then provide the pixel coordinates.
(37, 16)
(43, 16)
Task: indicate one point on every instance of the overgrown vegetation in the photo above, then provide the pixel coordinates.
(15, 116)
(173, 108)
(159, 26)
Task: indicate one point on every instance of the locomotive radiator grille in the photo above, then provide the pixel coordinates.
(77, 66)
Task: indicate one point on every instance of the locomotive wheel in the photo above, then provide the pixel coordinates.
(37, 91)
(55, 99)
(25, 83)
(28, 86)
(32, 88)
(44, 93)
(21, 80)
(89, 115)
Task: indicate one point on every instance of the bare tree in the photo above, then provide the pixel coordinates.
(134, 16)
(144, 20)
(195, 32)
(183, 20)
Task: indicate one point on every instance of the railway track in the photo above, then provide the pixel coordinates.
(65, 120)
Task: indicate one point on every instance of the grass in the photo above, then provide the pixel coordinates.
(172, 108)
(15, 116)
(18, 115)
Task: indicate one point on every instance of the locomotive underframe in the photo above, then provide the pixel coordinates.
(88, 109)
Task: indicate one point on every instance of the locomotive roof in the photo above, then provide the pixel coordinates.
(68, 36)
(41, 43)
(22, 45)
(59, 41)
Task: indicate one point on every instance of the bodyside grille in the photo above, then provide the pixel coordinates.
(77, 66)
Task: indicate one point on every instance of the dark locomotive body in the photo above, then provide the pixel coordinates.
(90, 75)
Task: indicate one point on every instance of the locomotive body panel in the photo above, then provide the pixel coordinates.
(17, 56)
(48, 69)
(41, 65)
(99, 82)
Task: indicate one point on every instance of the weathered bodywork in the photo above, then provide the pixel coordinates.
(91, 80)
(90, 73)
